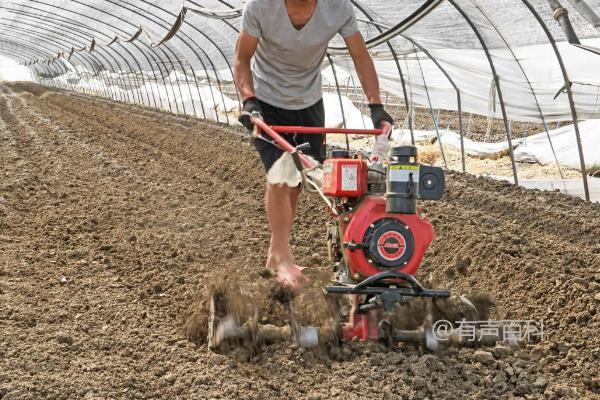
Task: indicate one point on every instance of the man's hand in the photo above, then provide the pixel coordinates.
(251, 105)
(378, 115)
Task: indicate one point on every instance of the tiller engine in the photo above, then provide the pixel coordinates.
(376, 240)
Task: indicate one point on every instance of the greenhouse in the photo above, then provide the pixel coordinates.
(131, 195)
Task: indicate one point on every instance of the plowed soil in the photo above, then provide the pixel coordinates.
(115, 220)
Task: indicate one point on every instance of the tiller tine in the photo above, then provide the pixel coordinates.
(221, 325)
(384, 291)
(303, 336)
(225, 329)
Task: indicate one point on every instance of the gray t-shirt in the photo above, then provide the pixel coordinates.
(286, 67)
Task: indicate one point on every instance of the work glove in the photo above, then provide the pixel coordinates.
(250, 106)
(378, 115)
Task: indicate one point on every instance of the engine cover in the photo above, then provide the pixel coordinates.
(374, 241)
(389, 243)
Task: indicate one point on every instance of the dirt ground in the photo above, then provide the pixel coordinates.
(114, 221)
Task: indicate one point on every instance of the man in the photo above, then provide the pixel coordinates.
(288, 40)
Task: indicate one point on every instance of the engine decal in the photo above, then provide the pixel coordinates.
(401, 173)
(349, 177)
(391, 245)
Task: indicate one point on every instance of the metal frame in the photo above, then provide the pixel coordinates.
(458, 97)
(537, 103)
(563, 70)
(395, 56)
(496, 83)
(67, 28)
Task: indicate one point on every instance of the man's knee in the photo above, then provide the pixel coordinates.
(282, 189)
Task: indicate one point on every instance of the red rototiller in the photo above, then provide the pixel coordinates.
(376, 240)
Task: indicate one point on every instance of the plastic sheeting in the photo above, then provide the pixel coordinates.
(536, 148)
(472, 148)
(11, 71)
(351, 116)
(490, 57)
(572, 187)
(123, 35)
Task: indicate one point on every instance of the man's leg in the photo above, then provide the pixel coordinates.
(280, 202)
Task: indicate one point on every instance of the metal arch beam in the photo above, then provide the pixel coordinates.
(47, 40)
(41, 69)
(107, 48)
(40, 51)
(123, 31)
(90, 67)
(160, 48)
(50, 41)
(162, 24)
(74, 28)
(450, 80)
(162, 75)
(61, 30)
(416, 16)
(402, 80)
(567, 81)
(143, 53)
(458, 95)
(120, 80)
(237, 31)
(337, 86)
(10, 54)
(112, 68)
(496, 83)
(83, 15)
(67, 30)
(26, 48)
(8, 44)
(14, 42)
(15, 50)
(208, 58)
(38, 17)
(79, 24)
(139, 68)
(537, 103)
(38, 44)
(129, 22)
(93, 66)
(9, 51)
(131, 70)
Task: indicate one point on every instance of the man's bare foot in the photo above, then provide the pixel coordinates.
(290, 276)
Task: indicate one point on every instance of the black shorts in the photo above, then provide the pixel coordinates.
(310, 116)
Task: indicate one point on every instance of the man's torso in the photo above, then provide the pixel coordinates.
(287, 63)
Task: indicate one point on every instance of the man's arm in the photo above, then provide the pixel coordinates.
(244, 50)
(242, 74)
(364, 67)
